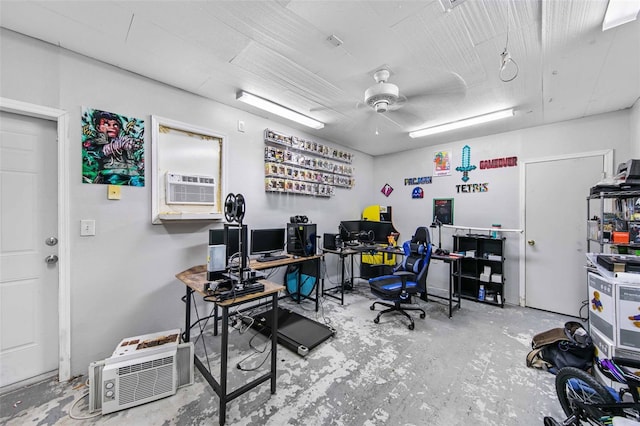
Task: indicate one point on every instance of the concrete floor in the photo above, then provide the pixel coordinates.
(467, 370)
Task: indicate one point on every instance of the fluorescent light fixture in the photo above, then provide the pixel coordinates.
(274, 108)
(462, 123)
(620, 12)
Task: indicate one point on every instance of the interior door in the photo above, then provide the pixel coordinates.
(556, 231)
(28, 248)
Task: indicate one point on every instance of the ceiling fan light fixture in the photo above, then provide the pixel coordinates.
(620, 12)
(381, 95)
(278, 109)
(485, 118)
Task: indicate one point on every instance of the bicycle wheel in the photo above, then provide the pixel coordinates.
(575, 386)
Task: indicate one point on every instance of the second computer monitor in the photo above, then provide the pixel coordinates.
(232, 240)
(266, 242)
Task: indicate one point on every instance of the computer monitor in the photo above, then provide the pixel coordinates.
(366, 231)
(377, 232)
(266, 242)
(349, 230)
(217, 236)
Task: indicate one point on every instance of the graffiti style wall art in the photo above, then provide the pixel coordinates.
(112, 148)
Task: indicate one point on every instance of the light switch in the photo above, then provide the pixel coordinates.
(87, 227)
(113, 192)
(241, 126)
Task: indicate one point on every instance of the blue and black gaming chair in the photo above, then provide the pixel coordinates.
(408, 279)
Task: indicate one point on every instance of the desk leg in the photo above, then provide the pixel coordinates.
(342, 281)
(299, 282)
(187, 316)
(460, 284)
(215, 319)
(224, 347)
(450, 289)
(274, 341)
(318, 272)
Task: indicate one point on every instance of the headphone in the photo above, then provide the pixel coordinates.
(298, 219)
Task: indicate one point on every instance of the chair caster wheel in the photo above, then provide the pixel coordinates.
(376, 320)
(372, 307)
(411, 326)
(422, 316)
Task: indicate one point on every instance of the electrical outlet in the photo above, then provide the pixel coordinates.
(87, 227)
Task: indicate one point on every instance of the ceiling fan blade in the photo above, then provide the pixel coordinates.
(405, 118)
(388, 117)
(451, 88)
(338, 107)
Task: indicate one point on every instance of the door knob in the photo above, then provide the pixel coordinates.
(531, 242)
(51, 259)
(51, 241)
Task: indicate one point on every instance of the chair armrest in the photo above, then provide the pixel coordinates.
(404, 276)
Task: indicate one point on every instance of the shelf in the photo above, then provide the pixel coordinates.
(469, 269)
(301, 167)
(614, 194)
(488, 302)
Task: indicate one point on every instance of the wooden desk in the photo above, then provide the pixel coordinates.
(451, 260)
(291, 260)
(195, 279)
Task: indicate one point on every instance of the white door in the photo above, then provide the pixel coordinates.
(28, 225)
(556, 231)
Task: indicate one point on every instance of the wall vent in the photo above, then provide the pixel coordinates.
(190, 189)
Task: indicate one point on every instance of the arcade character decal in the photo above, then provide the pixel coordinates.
(417, 192)
(466, 166)
(387, 189)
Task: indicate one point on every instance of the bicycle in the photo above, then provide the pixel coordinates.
(586, 401)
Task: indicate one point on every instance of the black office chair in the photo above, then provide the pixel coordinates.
(408, 279)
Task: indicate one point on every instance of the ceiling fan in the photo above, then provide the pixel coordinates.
(386, 99)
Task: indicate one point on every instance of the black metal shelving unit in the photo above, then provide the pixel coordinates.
(487, 252)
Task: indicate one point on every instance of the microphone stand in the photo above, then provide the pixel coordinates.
(437, 224)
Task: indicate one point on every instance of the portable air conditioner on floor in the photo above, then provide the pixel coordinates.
(141, 369)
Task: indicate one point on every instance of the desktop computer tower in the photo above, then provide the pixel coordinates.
(301, 239)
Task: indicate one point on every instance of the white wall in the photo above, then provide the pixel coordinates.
(501, 203)
(123, 279)
(634, 130)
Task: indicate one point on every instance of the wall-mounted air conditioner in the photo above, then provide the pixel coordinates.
(141, 369)
(190, 189)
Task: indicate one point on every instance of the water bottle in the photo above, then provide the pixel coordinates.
(481, 292)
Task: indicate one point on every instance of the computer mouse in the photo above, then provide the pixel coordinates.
(295, 257)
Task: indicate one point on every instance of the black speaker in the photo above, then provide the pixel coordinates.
(301, 239)
(329, 241)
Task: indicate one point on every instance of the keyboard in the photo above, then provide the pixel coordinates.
(272, 258)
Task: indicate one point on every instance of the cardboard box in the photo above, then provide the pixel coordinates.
(485, 278)
(628, 308)
(496, 278)
(634, 232)
(602, 306)
(620, 237)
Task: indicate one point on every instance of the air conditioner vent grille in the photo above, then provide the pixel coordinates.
(190, 189)
(145, 384)
(133, 368)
